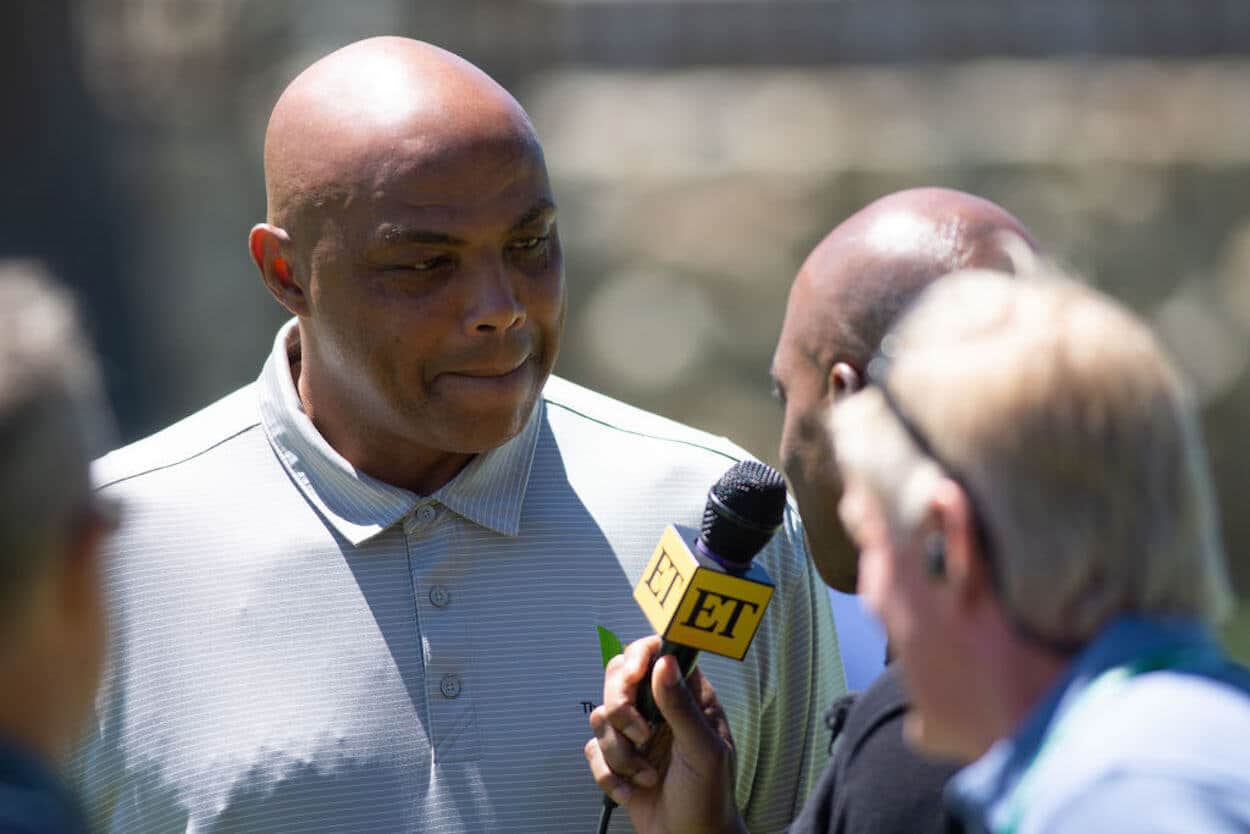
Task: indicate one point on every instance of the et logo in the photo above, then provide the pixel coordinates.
(690, 600)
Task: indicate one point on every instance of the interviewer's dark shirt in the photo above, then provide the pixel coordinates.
(874, 784)
(33, 799)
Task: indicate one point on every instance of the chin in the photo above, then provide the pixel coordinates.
(483, 432)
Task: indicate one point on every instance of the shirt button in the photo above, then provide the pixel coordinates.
(450, 686)
(440, 596)
(426, 513)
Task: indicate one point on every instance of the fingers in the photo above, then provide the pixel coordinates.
(614, 786)
(620, 730)
(693, 712)
(713, 713)
(625, 673)
(619, 753)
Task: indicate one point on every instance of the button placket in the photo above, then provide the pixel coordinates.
(437, 570)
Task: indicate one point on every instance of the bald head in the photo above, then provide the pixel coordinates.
(850, 290)
(860, 277)
(344, 125)
(412, 234)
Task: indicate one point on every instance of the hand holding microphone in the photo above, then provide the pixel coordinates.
(686, 781)
(699, 593)
(704, 594)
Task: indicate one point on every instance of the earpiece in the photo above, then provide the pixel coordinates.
(844, 379)
(935, 556)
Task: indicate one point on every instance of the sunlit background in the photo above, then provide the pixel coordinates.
(698, 149)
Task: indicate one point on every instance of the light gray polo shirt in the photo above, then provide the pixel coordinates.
(298, 647)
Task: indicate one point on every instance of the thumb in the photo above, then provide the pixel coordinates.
(683, 713)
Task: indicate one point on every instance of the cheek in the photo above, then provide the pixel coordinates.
(887, 596)
(872, 581)
(545, 300)
(804, 450)
(552, 306)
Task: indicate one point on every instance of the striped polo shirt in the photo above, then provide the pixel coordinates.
(300, 647)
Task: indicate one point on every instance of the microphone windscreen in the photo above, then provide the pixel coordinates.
(744, 508)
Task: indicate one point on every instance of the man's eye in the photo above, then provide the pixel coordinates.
(528, 243)
(427, 265)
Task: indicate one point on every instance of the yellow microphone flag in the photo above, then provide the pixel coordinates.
(690, 600)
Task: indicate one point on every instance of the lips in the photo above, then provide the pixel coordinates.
(510, 381)
(491, 371)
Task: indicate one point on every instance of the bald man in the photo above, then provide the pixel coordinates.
(850, 289)
(362, 594)
(848, 292)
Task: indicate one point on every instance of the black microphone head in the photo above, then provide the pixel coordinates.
(744, 508)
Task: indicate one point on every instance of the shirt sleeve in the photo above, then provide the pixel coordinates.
(1150, 804)
(803, 677)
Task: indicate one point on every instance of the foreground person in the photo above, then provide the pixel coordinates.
(52, 534)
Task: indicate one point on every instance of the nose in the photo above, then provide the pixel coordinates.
(496, 306)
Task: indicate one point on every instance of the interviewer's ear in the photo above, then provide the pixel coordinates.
(269, 246)
(843, 380)
(965, 567)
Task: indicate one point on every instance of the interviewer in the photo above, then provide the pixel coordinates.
(1028, 490)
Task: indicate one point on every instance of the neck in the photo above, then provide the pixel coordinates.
(384, 455)
(1016, 675)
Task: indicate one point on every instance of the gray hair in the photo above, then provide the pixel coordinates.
(52, 420)
(1072, 432)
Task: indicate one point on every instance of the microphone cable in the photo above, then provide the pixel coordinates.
(605, 813)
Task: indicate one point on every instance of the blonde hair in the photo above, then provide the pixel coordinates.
(1061, 416)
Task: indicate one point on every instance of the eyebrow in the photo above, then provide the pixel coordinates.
(395, 234)
(541, 210)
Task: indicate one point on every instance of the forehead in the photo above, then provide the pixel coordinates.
(484, 182)
(810, 338)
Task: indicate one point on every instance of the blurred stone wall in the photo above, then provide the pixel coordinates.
(690, 197)
(698, 148)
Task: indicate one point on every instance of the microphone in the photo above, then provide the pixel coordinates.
(702, 593)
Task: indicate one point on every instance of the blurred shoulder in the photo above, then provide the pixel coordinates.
(1166, 731)
(184, 441)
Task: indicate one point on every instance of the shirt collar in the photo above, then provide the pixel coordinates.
(489, 491)
(979, 791)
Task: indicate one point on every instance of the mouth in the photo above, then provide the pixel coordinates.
(491, 383)
(488, 372)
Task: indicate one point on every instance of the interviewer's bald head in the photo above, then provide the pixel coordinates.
(849, 291)
(860, 277)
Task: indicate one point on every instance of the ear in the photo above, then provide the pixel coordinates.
(966, 569)
(843, 380)
(270, 249)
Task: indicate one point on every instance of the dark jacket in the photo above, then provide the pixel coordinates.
(33, 799)
(874, 784)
